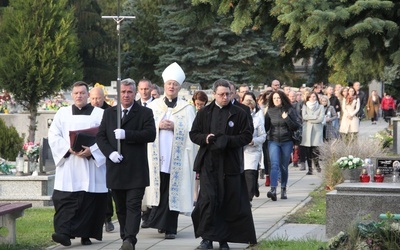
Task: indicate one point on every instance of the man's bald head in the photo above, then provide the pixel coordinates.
(97, 97)
(275, 85)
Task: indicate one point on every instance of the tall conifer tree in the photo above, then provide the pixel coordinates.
(38, 54)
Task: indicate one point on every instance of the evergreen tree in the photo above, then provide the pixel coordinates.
(38, 55)
(98, 66)
(210, 50)
(357, 38)
(139, 36)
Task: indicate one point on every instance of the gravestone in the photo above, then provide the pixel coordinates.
(389, 167)
(396, 135)
(46, 162)
(350, 203)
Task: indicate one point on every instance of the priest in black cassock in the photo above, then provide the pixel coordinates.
(223, 211)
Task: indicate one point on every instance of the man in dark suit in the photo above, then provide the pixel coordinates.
(240, 105)
(127, 171)
(144, 88)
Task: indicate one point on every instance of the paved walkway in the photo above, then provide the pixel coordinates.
(269, 217)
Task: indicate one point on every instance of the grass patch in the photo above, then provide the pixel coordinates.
(34, 230)
(314, 212)
(284, 244)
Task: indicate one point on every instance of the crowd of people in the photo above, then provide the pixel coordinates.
(160, 156)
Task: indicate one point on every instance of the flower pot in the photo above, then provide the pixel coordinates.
(351, 175)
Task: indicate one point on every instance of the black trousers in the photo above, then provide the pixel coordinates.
(128, 204)
(251, 177)
(110, 208)
(267, 162)
(161, 217)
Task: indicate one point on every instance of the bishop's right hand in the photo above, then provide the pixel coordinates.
(116, 157)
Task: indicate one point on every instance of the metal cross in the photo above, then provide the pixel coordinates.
(118, 19)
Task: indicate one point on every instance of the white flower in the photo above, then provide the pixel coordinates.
(350, 162)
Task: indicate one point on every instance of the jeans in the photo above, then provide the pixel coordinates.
(279, 153)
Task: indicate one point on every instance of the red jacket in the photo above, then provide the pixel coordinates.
(388, 103)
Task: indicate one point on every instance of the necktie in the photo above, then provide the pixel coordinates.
(145, 104)
(125, 112)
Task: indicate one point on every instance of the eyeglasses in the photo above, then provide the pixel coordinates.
(223, 94)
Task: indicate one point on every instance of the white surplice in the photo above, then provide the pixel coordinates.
(182, 153)
(75, 173)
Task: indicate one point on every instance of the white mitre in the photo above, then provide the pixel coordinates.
(174, 72)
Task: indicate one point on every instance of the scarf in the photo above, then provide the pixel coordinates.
(312, 105)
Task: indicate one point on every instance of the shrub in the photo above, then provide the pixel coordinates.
(372, 235)
(11, 142)
(331, 151)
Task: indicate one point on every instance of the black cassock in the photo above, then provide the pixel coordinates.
(223, 211)
(79, 214)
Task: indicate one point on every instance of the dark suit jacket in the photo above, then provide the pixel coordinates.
(140, 101)
(133, 171)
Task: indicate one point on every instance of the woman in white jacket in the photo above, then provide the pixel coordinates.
(253, 151)
(350, 123)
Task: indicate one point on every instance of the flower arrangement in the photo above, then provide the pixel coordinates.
(372, 235)
(31, 150)
(3, 105)
(5, 168)
(349, 162)
(6, 105)
(53, 104)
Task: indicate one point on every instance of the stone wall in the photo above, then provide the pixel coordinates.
(21, 123)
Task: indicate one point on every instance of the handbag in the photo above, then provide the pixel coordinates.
(297, 135)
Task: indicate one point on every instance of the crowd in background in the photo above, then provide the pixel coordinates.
(200, 157)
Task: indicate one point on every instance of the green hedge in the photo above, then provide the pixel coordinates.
(10, 142)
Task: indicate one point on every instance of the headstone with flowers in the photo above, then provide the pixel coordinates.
(31, 150)
(351, 167)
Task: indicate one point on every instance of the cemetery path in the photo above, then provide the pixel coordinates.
(269, 217)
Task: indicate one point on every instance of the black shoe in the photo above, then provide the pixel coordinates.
(145, 224)
(272, 194)
(224, 246)
(86, 241)
(205, 244)
(283, 194)
(309, 172)
(63, 239)
(169, 236)
(109, 226)
(319, 169)
(161, 231)
(127, 245)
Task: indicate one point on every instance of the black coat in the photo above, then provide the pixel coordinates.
(279, 129)
(133, 171)
(237, 134)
